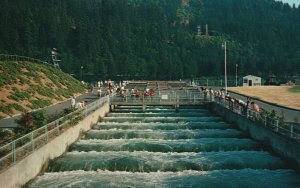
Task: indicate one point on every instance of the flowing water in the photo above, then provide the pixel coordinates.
(162, 148)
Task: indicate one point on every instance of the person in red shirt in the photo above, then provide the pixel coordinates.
(137, 93)
(255, 107)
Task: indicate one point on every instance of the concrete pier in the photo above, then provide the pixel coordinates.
(280, 144)
(35, 163)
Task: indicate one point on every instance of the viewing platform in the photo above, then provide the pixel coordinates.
(164, 100)
(159, 93)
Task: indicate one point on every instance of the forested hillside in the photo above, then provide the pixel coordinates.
(155, 39)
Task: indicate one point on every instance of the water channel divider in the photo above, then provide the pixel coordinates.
(23, 162)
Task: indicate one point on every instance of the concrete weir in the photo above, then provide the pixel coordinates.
(282, 145)
(28, 168)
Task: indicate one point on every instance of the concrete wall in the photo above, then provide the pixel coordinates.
(283, 146)
(27, 169)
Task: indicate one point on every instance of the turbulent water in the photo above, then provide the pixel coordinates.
(162, 148)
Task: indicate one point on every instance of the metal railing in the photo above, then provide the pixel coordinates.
(271, 122)
(212, 82)
(27, 144)
(7, 57)
(164, 98)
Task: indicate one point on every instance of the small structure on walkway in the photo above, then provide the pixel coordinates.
(272, 80)
(251, 80)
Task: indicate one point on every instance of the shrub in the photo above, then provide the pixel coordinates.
(48, 92)
(2, 133)
(295, 89)
(6, 109)
(24, 80)
(68, 110)
(20, 95)
(26, 121)
(40, 118)
(39, 103)
(18, 107)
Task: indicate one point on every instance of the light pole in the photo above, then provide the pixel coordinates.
(236, 75)
(81, 73)
(225, 65)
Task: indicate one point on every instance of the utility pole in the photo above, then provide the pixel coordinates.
(225, 64)
(81, 73)
(206, 27)
(236, 74)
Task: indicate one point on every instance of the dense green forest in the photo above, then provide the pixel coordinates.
(155, 39)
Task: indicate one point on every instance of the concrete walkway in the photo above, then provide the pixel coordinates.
(51, 110)
(290, 115)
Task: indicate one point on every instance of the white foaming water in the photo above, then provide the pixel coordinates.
(161, 119)
(156, 145)
(162, 134)
(156, 114)
(161, 126)
(151, 162)
(161, 148)
(246, 178)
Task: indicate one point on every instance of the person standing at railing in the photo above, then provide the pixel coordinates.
(243, 107)
(137, 93)
(73, 102)
(248, 102)
(99, 91)
(92, 88)
(223, 97)
(80, 105)
(211, 94)
(256, 109)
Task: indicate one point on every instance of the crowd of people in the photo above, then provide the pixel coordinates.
(137, 93)
(77, 105)
(102, 88)
(108, 87)
(232, 103)
(220, 96)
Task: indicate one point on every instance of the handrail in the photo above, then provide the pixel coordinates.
(8, 57)
(23, 146)
(170, 99)
(272, 123)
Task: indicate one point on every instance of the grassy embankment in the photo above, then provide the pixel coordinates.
(295, 89)
(282, 95)
(26, 86)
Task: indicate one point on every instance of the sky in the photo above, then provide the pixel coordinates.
(291, 2)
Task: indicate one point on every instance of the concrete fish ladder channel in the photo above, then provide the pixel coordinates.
(162, 148)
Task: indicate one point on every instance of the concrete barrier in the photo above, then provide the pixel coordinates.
(284, 146)
(28, 168)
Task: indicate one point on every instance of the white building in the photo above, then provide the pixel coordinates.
(251, 80)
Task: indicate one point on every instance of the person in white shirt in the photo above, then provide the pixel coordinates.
(73, 102)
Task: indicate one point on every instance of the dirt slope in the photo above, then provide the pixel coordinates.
(25, 86)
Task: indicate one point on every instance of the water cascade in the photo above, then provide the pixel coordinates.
(164, 148)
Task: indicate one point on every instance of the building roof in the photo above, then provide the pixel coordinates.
(251, 76)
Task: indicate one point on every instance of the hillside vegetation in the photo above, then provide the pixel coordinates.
(155, 39)
(25, 86)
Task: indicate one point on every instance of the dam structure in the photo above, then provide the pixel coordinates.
(160, 146)
(174, 138)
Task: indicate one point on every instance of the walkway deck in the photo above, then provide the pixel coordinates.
(157, 101)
